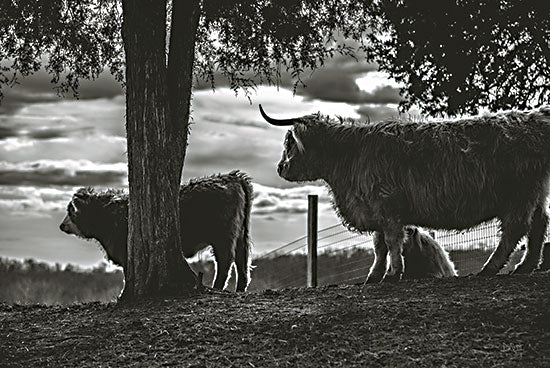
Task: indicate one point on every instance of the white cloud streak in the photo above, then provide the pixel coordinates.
(268, 201)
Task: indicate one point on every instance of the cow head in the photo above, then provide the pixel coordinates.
(299, 161)
(100, 216)
(90, 212)
(76, 212)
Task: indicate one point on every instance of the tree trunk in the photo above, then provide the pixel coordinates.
(185, 20)
(156, 147)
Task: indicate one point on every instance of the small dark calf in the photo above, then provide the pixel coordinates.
(214, 210)
(424, 257)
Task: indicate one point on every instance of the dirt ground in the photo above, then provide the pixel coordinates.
(461, 322)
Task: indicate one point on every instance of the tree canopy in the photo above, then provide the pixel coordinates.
(455, 56)
(72, 40)
(451, 56)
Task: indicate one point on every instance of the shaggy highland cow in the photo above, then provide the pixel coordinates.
(423, 256)
(214, 210)
(443, 175)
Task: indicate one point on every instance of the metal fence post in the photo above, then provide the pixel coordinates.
(312, 240)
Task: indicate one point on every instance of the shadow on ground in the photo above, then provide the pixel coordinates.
(498, 321)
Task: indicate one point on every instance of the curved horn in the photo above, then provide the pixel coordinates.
(283, 122)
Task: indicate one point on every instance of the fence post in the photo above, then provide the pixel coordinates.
(312, 240)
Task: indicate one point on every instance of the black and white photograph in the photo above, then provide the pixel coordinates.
(274, 183)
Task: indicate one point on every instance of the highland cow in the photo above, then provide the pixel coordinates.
(449, 175)
(214, 210)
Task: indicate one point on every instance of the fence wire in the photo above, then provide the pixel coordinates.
(346, 257)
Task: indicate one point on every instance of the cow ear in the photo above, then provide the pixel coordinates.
(80, 198)
(78, 203)
(116, 200)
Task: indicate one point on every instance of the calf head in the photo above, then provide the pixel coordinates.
(79, 210)
(101, 216)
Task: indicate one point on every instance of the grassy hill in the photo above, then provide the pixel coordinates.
(501, 321)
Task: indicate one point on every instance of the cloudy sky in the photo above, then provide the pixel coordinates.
(51, 146)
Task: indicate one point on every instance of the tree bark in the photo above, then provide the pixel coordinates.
(181, 55)
(156, 148)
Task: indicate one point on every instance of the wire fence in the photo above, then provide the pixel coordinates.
(346, 257)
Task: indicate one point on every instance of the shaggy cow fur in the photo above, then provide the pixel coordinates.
(214, 210)
(443, 175)
(423, 256)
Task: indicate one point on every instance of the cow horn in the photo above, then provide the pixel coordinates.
(283, 122)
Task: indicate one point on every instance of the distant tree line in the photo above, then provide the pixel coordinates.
(33, 282)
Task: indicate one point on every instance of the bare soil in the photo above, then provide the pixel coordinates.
(461, 322)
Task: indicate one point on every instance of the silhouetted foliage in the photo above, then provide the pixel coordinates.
(247, 41)
(73, 39)
(452, 56)
(457, 56)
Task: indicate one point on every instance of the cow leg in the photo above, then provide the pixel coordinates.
(511, 234)
(394, 239)
(224, 261)
(380, 265)
(545, 263)
(536, 236)
(242, 262)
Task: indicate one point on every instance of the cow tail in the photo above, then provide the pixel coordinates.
(244, 243)
(249, 196)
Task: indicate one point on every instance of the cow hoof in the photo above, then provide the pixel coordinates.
(392, 278)
(523, 269)
(486, 272)
(373, 279)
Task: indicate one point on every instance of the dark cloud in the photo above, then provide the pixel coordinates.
(352, 66)
(42, 132)
(48, 133)
(43, 173)
(338, 85)
(37, 88)
(59, 177)
(8, 132)
(16, 98)
(334, 81)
